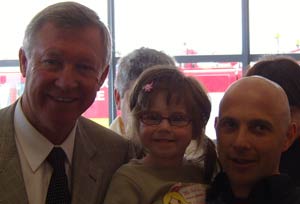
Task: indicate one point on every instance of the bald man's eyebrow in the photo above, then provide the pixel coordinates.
(228, 123)
(260, 125)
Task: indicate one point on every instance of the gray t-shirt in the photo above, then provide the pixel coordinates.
(135, 183)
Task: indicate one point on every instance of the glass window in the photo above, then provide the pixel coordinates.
(274, 26)
(179, 26)
(15, 15)
(11, 85)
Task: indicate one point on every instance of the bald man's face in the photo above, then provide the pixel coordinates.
(251, 133)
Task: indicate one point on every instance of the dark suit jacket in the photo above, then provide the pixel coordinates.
(98, 152)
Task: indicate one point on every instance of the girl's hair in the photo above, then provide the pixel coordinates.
(178, 89)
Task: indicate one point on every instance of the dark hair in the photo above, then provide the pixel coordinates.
(284, 71)
(177, 88)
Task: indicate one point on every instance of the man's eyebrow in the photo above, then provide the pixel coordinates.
(225, 118)
(261, 122)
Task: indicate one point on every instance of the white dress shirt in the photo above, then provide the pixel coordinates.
(33, 149)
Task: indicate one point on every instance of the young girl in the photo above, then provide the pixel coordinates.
(168, 110)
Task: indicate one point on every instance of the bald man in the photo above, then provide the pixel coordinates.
(253, 128)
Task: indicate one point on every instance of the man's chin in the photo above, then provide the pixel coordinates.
(241, 179)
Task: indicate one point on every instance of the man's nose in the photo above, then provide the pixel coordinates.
(67, 78)
(242, 139)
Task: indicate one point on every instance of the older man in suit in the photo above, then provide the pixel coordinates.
(49, 153)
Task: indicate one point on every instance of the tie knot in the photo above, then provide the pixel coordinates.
(56, 158)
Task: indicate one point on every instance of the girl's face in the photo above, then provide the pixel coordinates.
(167, 140)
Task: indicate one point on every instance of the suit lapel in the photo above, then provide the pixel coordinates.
(12, 187)
(86, 175)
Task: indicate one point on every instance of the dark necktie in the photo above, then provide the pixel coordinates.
(58, 191)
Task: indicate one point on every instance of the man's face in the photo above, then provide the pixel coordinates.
(63, 75)
(251, 134)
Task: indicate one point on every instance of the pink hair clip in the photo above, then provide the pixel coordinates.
(148, 87)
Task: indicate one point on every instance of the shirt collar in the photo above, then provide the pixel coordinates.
(34, 145)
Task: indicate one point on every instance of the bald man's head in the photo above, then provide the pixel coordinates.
(261, 91)
(253, 129)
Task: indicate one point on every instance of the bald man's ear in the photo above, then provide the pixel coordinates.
(290, 137)
(117, 99)
(216, 122)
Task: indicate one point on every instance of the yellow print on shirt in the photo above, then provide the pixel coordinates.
(174, 198)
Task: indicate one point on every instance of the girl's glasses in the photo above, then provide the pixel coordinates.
(175, 119)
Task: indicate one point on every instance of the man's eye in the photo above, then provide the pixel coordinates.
(227, 125)
(51, 62)
(259, 128)
(86, 67)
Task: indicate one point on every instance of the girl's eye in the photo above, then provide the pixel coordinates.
(178, 117)
(151, 118)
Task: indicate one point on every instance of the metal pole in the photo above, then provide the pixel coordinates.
(112, 70)
(245, 35)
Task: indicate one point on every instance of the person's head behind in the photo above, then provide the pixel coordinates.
(65, 60)
(163, 90)
(284, 71)
(129, 69)
(253, 129)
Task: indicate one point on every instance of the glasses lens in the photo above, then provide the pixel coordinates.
(151, 118)
(179, 120)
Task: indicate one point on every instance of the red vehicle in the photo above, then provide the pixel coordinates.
(215, 79)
